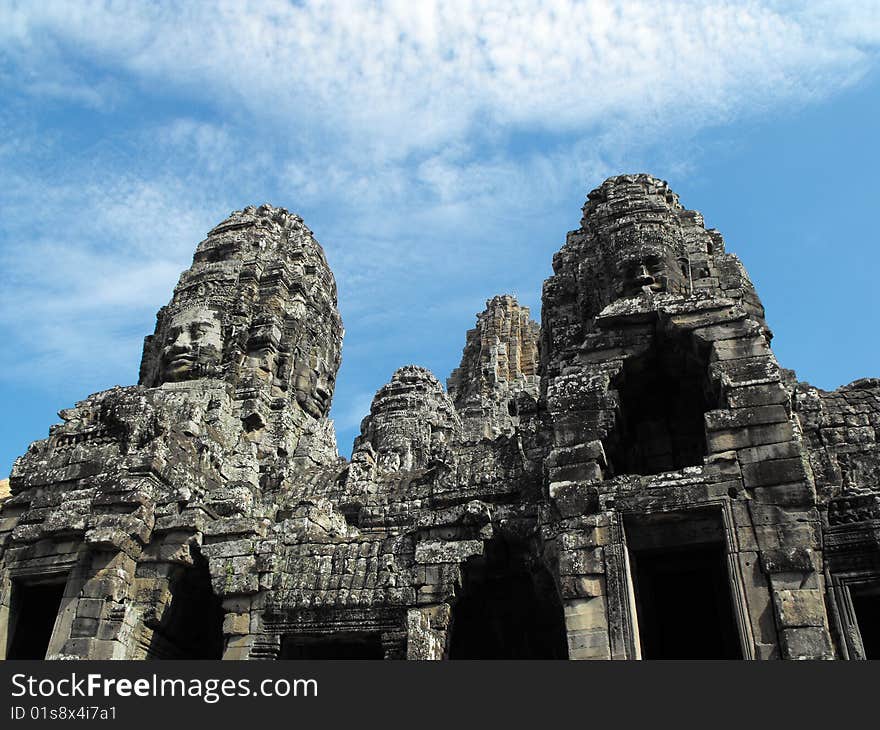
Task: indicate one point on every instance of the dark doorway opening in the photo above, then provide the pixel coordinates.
(192, 624)
(867, 609)
(682, 587)
(33, 610)
(663, 396)
(509, 608)
(335, 646)
(683, 604)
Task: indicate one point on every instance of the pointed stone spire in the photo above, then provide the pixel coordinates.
(500, 359)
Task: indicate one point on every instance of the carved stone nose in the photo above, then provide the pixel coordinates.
(182, 340)
(644, 276)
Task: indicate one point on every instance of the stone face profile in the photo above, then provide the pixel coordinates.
(637, 477)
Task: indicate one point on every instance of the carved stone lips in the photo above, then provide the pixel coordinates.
(183, 359)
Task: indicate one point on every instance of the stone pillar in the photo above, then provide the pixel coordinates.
(586, 623)
(580, 557)
(103, 625)
(240, 625)
(427, 630)
(758, 435)
(798, 603)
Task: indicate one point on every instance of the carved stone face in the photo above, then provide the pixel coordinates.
(262, 360)
(313, 380)
(193, 343)
(650, 267)
(256, 309)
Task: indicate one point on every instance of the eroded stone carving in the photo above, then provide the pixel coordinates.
(410, 421)
(500, 361)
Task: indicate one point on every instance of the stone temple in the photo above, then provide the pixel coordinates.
(637, 477)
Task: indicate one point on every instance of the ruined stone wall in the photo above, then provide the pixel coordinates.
(534, 510)
(840, 430)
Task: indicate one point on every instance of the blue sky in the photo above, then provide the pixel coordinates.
(439, 151)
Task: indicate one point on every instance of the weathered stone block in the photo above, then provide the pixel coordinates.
(806, 643)
(587, 628)
(582, 586)
(796, 494)
(237, 648)
(728, 331)
(582, 562)
(236, 623)
(583, 472)
(724, 464)
(742, 347)
(749, 396)
(770, 452)
(776, 471)
(739, 438)
(800, 608)
(592, 451)
(447, 552)
(574, 498)
(83, 627)
(788, 560)
(746, 371)
(588, 536)
(229, 549)
(745, 417)
(90, 607)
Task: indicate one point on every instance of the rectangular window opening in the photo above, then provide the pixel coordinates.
(866, 604)
(33, 611)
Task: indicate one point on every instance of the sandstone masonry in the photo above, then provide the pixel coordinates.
(635, 478)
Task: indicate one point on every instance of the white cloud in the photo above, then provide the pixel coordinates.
(389, 78)
(401, 121)
(85, 260)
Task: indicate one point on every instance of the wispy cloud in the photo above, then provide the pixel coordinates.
(84, 261)
(391, 78)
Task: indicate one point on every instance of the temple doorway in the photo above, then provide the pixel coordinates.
(192, 624)
(509, 608)
(682, 587)
(866, 606)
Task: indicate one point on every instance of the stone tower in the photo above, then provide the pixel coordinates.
(635, 478)
(674, 442)
(108, 516)
(500, 359)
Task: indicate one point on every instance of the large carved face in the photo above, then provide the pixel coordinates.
(257, 308)
(648, 264)
(193, 344)
(314, 376)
